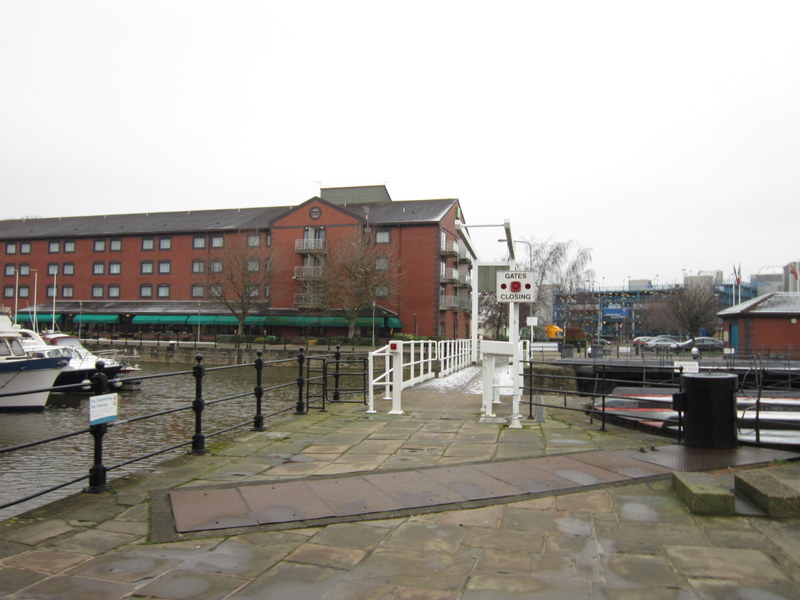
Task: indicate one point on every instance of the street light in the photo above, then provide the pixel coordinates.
(530, 250)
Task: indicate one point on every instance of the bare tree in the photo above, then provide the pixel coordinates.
(240, 276)
(557, 267)
(493, 313)
(694, 307)
(359, 272)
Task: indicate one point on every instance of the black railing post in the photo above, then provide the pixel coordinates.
(301, 406)
(338, 357)
(98, 471)
(258, 422)
(198, 439)
(603, 421)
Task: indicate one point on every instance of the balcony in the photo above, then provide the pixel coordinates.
(308, 300)
(449, 248)
(449, 275)
(309, 273)
(309, 245)
(448, 302)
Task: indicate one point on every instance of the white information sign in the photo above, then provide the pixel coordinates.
(514, 286)
(102, 409)
(686, 366)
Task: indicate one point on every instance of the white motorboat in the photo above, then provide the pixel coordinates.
(24, 380)
(82, 363)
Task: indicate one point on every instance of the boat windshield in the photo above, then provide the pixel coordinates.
(11, 347)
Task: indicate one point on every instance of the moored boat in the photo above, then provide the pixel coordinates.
(24, 380)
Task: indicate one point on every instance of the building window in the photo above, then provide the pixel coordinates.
(164, 267)
(114, 291)
(97, 291)
(165, 243)
(215, 290)
(68, 269)
(54, 247)
(25, 248)
(148, 244)
(198, 242)
(163, 290)
(252, 265)
(69, 247)
(8, 291)
(198, 266)
(217, 241)
(146, 290)
(98, 268)
(252, 291)
(266, 291)
(11, 247)
(11, 270)
(382, 264)
(216, 266)
(51, 291)
(99, 245)
(382, 291)
(115, 245)
(115, 267)
(198, 290)
(24, 269)
(254, 240)
(67, 291)
(52, 269)
(382, 237)
(315, 212)
(24, 291)
(147, 267)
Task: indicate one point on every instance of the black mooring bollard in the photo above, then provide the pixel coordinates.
(198, 439)
(258, 421)
(301, 405)
(98, 472)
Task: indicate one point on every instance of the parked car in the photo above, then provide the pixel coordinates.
(703, 344)
(641, 340)
(661, 342)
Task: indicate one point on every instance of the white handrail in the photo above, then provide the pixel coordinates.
(418, 362)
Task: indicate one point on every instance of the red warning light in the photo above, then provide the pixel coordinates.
(516, 287)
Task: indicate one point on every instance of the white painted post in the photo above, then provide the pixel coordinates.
(513, 336)
(488, 385)
(396, 354)
(370, 380)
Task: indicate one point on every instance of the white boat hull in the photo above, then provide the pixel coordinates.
(20, 376)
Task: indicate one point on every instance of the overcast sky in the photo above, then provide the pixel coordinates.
(665, 136)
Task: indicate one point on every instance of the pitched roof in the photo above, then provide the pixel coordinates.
(231, 219)
(228, 219)
(774, 303)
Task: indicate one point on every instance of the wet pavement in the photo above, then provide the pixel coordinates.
(621, 537)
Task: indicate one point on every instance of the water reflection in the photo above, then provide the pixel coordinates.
(32, 469)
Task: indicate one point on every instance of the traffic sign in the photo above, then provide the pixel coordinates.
(514, 286)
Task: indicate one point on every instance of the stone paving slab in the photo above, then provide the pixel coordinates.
(299, 503)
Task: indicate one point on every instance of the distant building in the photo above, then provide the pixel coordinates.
(767, 326)
(149, 272)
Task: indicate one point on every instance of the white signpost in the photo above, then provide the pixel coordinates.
(512, 288)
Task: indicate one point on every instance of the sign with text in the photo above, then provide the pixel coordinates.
(514, 286)
(686, 366)
(102, 409)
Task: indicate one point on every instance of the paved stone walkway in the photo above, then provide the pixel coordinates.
(616, 541)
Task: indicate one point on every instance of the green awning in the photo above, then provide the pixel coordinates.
(95, 319)
(255, 320)
(333, 322)
(40, 317)
(368, 321)
(226, 320)
(394, 322)
(159, 319)
(292, 320)
(201, 319)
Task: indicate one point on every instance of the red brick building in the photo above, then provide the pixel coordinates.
(767, 326)
(148, 272)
